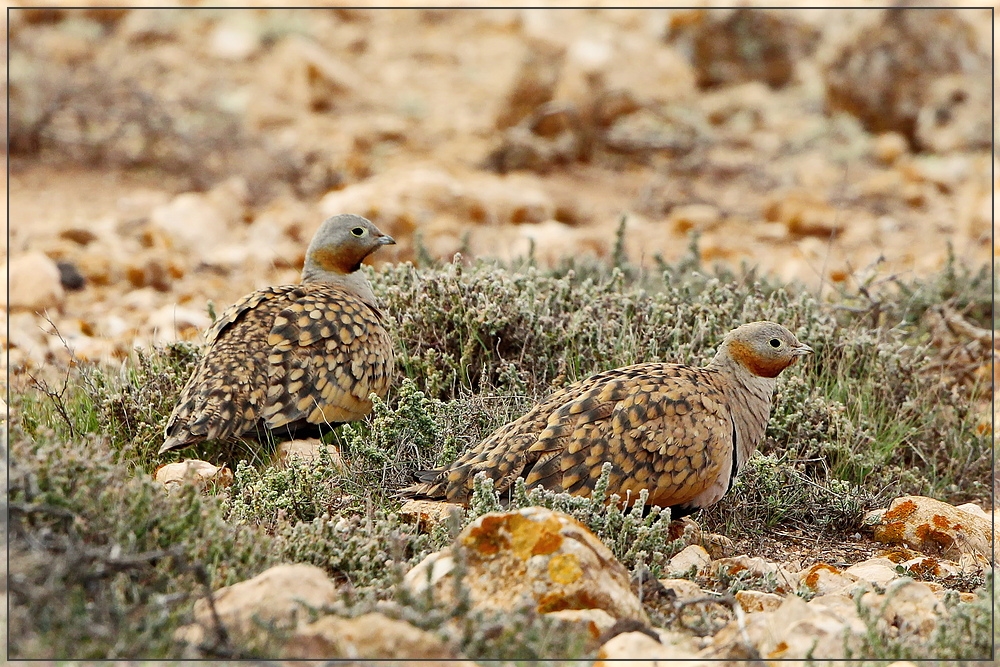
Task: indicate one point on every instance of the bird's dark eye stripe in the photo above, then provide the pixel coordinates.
(358, 231)
(775, 342)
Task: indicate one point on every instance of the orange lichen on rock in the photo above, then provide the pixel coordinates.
(935, 528)
(532, 556)
(812, 576)
(901, 511)
(564, 568)
(533, 538)
(486, 536)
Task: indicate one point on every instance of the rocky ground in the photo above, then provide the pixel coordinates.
(493, 133)
(166, 162)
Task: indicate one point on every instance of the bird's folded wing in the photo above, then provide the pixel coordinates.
(225, 393)
(328, 352)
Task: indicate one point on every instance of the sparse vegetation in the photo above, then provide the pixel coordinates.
(106, 564)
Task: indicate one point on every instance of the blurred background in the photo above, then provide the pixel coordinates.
(161, 159)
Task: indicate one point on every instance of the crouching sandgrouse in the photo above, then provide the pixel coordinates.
(288, 356)
(681, 432)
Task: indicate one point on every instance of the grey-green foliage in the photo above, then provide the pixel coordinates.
(772, 490)
(963, 632)
(298, 490)
(462, 326)
(412, 431)
(405, 431)
(634, 539)
(104, 563)
(370, 553)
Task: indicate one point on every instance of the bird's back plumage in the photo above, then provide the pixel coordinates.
(284, 356)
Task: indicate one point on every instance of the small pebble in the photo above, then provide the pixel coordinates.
(70, 276)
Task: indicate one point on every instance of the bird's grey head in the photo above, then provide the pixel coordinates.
(340, 245)
(763, 348)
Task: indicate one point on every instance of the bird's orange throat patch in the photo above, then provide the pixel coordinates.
(337, 260)
(768, 368)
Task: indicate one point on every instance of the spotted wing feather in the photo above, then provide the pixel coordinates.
(226, 391)
(298, 353)
(663, 427)
(329, 351)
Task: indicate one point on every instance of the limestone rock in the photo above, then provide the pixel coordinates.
(698, 217)
(823, 579)
(231, 41)
(804, 214)
(795, 630)
(910, 606)
(533, 556)
(974, 509)
(200, 473)
(191, 222)
(683, 589)
(757, 568)
(312, 77)
(887, 72)
(402, 201)
(928, 566)
(428, 513)
(729, 47)
(371, 636)
(280, 596)
(534, 83)
(879, 571)
(955, 115)
(33, 282)
(595, 622)
(641, 650)
(889, 147)
(308, 450)
(933, 527)
(718, 546)
(690, 558)
(756, 601)
(171, 323)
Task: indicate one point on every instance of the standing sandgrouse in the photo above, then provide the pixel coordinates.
(683, 433)
(293, 355)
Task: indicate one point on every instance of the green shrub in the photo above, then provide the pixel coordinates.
(104, 563)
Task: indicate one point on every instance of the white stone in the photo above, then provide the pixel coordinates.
(308, 450)
(33, 283)
(637, 649)
(371, 636)
(191, 222)
(974, 509)
(199, 473)
(281, 595)
(692, 558)
(879, 571)
(232, 42)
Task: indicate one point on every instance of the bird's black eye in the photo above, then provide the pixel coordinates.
(775, 342)
(358, 231)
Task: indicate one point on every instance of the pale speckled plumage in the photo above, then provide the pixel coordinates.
(668, 428)
(283, 356)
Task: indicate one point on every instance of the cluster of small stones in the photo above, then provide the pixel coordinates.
(544, 562)
(141, 267)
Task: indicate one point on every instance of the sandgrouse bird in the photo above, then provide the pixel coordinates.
(284, 357)
(681, 432)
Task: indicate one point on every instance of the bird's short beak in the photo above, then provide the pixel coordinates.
(385, 239)
(802, 350)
